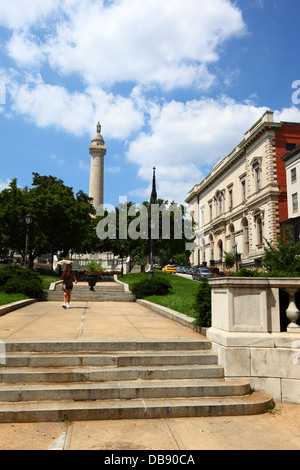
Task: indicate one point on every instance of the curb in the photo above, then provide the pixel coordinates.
(54, 284)
(181, 318)
(15, 305)
(126, 287)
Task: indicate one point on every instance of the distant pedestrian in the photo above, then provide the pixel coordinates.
(68, 278)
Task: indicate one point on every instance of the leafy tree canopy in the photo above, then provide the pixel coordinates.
(61, 220)
(284, 257)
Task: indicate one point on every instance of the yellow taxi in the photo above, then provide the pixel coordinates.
(169, 269)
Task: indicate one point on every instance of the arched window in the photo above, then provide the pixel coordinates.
(220, 247)
(219, 202)
(259, 230)
(257, 170)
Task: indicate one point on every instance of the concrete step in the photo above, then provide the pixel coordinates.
(55, 296)
(81, 292)
(96, 346)
(116, 359)
(128, 390)
(97, 289)
(114, 379)
(102, 374)
(55, 411)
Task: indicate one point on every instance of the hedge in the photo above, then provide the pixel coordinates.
(14, 279)
(148, 287)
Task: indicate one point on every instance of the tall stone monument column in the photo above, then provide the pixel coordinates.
(97, 152)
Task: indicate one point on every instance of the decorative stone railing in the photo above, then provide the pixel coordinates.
(246, 333)
(252, 304)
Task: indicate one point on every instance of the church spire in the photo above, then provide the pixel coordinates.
(153, 199)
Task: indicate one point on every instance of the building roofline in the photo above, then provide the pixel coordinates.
(264, 123)
(290, 154)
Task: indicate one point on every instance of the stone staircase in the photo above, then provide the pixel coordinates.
(103, 292)
(119, 379)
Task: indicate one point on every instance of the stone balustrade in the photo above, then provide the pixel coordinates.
(247, 334)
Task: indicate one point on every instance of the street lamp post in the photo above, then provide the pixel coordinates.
(151, 272)
(28, 221)
(153, 200)
(122, 255)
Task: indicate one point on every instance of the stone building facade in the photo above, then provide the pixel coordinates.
(244, 198)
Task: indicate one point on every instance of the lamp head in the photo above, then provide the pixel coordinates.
(28, 219)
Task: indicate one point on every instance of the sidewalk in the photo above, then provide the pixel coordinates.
(279, 430)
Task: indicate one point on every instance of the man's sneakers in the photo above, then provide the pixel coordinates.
(67, 305)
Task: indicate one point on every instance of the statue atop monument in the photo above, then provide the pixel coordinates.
(98, 128)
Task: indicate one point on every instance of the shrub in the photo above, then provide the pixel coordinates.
(229, 259)
(244, 272)
(202, 304)
(15, 279)
(148, 287)
(284, 257)
(33, 288)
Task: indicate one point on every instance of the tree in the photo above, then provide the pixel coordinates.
(61, 221)
(283, 258)
(13, 208)
(230, 259)
(135, 236)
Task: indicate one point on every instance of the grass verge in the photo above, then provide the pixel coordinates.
(180, 299)
(10, 298)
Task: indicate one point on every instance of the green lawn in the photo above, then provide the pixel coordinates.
(9, 298)
(48, 279)
(180, 299)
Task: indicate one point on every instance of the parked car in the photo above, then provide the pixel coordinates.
(183, 269)
(169, 269)
(215, 271)
(157, 266)
(7, 261)
(201, 273)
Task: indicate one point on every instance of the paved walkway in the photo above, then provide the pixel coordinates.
(279, 430)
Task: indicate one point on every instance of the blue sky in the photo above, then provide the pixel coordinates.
(174, 83)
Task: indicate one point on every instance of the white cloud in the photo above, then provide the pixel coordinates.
(83, 166)
(291, 114)
(4, 184)
(167, 43)
(19, 14)
(49, 105)
(57, 159)
(186, 140)
(113, 169)
(25, 49)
